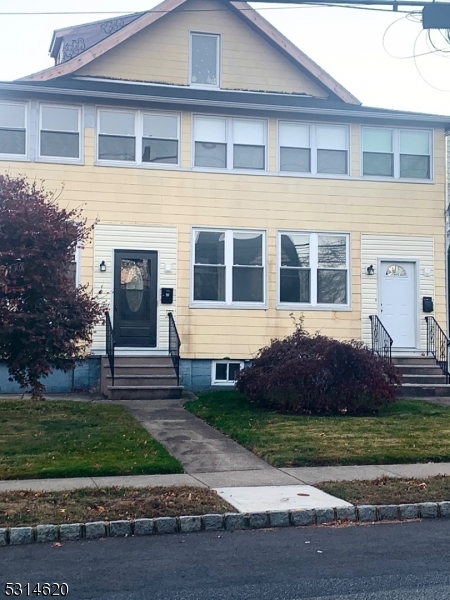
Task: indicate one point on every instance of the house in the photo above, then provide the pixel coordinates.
(235, 183)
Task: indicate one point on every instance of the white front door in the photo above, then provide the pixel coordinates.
(397, 281)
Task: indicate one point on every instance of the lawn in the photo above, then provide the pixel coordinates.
(109, 504)
(76, 439)
(407, 432)
(390, 490)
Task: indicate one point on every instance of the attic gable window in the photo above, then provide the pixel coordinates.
(204, 60)
(12, 129)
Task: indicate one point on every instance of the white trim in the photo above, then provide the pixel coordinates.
(223, 382)
(61, 159)
(416, 263)
(78, 265)
(228, 260)
(18, 157)
(396, 154)
(229, 120)
(206, 86)
(138, 136)
(313, 150)
(314, 305)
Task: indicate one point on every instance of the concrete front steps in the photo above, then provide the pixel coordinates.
(421, 377)
(140, 378)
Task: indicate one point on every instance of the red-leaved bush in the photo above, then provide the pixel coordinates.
(45, 320)
(318, 375)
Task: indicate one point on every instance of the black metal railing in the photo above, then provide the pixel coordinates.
(110, 344)
(438, 345)
(381, 340)
(174, 345)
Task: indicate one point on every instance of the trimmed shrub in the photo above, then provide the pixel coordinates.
(318, 375)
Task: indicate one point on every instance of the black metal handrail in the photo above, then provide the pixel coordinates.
(381, 340)
(438, 345)
(110, 344)
(174, 345)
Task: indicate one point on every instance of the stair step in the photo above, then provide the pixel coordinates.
(427, 379)
(143, 380)
(412, 390)
(144, 392)
(413, 360)
(419, 369)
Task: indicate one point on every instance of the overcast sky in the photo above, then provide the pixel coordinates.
(348, 43)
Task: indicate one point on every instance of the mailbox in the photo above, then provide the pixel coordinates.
(166, 295)
(427, 304)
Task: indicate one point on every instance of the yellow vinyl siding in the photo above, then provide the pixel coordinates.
(181, 199)
(160, 53)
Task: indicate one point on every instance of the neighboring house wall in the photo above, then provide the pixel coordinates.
(160, 53)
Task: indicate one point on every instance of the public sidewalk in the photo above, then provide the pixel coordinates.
(293, 476)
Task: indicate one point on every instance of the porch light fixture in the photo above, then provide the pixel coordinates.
(102, 266)
(370, 270)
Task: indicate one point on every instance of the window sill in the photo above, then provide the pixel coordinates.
(14, 158)
(396, 179)
(233, 171)
(309, 307)
(227, 384)
(221, 306)
(132, 165)
(60, 160)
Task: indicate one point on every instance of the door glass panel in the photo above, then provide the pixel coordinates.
(395, 271)
(134, 284)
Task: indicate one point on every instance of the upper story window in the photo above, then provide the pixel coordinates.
(313, 268)
(205, 60)
(12, 129)
(59, 132)
(397, 153)
(225, 143)
(138, 137)
(228, 267)
(314, 149)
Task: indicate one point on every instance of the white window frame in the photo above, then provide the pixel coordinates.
(224, 382)
(396, 153)
(313, 266)
(229, 144)
(313, 148)
(18, 157)
(139, 135)
(206, 86)
(61, 159)
(228, 259)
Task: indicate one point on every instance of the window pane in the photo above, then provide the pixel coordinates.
(247, 248)
(54, 143)
(209, 129)
(381, 165)
(160, 151)
(210, 248)
(331, 287)
(204, 59)
(112, 147)
(233, 370)
(209, 283)
(332, 251)
(72, 274)
(12, 116)
(332, 161)
(221, 371)
(377, 140)
(208, 154)
(414, 142)
(118, 123)
(295, 285)
(248, 157)
(248, 284)
(331, 138)
(12, 141)
(248, 133)
(59, 118)
(295, 159)
(161, 126)
(417, 167)
(294, 250)
(294, 135)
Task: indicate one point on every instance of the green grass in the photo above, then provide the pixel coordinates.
(407, 432)
(76, 439)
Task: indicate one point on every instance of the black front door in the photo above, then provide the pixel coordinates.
(135, 298)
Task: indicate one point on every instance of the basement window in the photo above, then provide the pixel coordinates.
(224, 372)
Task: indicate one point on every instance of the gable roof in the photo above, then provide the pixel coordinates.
(242, 9)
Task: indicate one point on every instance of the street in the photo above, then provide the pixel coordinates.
(403, 561)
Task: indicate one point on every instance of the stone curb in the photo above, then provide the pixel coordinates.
(12, 536)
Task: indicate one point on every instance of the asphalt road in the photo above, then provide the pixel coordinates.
(403, 561)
